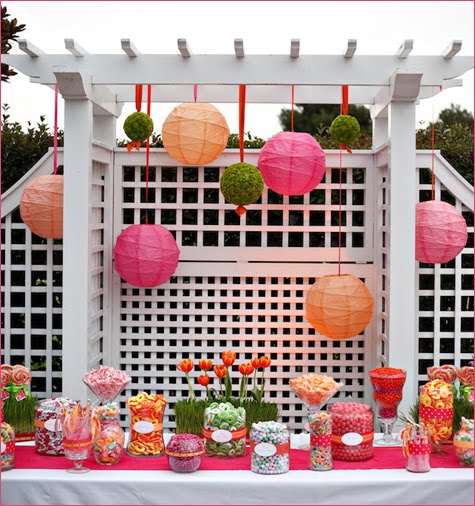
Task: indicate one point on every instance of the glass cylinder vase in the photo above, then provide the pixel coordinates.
(417, 450)
(108, 435)
(270, 448)
(224, 430)
(320, 428)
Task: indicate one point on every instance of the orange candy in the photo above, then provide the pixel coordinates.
(314, 389)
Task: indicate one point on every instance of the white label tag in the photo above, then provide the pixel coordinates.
(265, 449)
(53, 425)
(221, 436)
(143, 427)
(351, 439)
(4, 447)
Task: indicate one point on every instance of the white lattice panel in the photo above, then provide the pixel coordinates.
(31, 304)
(445, 295)
(252, 301)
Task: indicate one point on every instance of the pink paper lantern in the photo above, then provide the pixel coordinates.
(292, 163)
(441, 232)
(146, 255)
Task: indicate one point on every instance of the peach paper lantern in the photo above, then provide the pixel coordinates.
(195, 133)
(292, 163)
(146, 255)
(339, 307)
(441, 232)
(41, 206)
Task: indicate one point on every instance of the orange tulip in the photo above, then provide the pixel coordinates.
(205, 365)
(185, 365)
(220, 371)
(256, 363)
(203, 380)
(264, 361)
(228, 358)
(246, 369)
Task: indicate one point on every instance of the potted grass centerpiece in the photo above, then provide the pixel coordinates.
(189, 412)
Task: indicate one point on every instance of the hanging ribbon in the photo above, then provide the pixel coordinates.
(147, 151)
(195, 92)
(138, 106)
(433, 147)
(292, 113)
(240, 210)
(55, 134)
(344, 110)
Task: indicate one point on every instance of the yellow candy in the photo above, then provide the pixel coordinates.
(426, 400)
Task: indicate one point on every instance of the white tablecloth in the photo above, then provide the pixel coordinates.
(364, 487)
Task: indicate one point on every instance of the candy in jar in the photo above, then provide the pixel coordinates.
(107, 434)
(146, 425)
(184, 453)
(463, 442)
(8, 446)
(320, 428)
(48, 425)
(270, 448)
(225, 430)
(352, 431)
(416, 447)
(436, 410)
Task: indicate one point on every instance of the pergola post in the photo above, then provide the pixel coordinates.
(78, 128)
(402, 262)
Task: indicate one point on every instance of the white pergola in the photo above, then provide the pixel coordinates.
(95, 87)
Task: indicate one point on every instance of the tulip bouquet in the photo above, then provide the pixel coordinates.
(189, 412)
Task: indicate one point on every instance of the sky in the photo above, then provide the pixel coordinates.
(267, 27)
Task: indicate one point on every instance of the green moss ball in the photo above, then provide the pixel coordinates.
(242, 184)
(345, 129)
(138, 126)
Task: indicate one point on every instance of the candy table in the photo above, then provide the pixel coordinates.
(116, 486)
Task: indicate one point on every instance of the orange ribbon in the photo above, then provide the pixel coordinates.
(236, 434)
(366, 438)
(133, 144)
(138, 97)
(281, 449)
(69, 444)
(184, 455)
(465, 445)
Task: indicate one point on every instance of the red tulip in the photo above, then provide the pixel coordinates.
(205, 365)
(220, 371)
(255, 362)
(246, 369)
(185, 365)
(264, 362)
(228, 358)
(203, 380)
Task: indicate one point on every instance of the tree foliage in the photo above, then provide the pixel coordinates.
(10, 31)
(21, 149)
(310, 117)
(456, 115)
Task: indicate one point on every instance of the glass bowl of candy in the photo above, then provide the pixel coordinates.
(463, 442)
(184, 453)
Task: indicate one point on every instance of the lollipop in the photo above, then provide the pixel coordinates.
(465, 375)
(447, 373)
(6, 375)
(20, 375)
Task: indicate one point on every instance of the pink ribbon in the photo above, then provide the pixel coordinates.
(55, 138)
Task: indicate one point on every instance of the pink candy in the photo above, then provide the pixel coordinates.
(352, 438)
(107, 382)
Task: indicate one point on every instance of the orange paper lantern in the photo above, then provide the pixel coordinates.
(41, 206)
(339, 307)
(195, 133)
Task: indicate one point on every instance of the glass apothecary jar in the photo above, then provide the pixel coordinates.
(108, 436)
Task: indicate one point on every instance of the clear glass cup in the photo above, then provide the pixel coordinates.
(387, 392)
(77, 442)
(417, 449)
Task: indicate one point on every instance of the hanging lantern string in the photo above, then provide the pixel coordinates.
(147, 151)
(55, 133)
(293, 106)
(195, 92)
(242, 112)
(343, 110)
(138, 97)
(433, 147)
